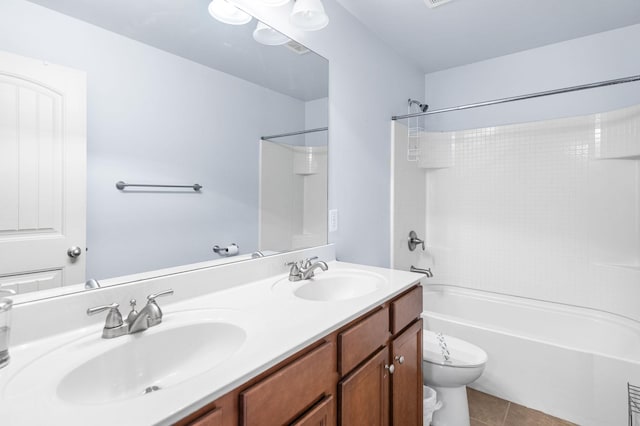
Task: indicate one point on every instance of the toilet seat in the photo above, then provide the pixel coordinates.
(462, 354)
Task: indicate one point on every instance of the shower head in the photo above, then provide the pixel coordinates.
(421, 106)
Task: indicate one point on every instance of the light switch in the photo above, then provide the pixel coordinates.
(333, 220)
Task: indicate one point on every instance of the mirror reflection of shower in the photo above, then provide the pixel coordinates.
(415, 127)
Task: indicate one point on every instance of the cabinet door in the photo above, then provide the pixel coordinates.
(406, 381)
(323, 414)
(364, 394)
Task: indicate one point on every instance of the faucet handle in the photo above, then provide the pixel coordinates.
(152, 297)
(307, 262)
(114, 317)
(133, 314)
(295, 266)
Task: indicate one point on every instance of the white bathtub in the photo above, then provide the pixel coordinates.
(570, 362)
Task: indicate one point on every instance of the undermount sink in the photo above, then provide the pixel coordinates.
(184, 346)
(333, 286)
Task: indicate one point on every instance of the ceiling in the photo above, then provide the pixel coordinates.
(185, 28)
(466, 31)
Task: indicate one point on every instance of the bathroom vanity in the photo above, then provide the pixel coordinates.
(367, 372)
(237, 345)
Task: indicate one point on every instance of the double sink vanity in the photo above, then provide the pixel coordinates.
(259, 345)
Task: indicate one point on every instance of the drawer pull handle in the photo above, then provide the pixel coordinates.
(391, 368)
(400, 359)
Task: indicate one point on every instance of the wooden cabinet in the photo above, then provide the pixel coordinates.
(406, 309)
(385, 388)
(322, 414)
(364, 394)
(292, 390)
(213, 418)
(221, 412)
(368, 372)
(406, 381)
(359, 341)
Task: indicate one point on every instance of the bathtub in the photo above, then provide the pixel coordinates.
(570, 362)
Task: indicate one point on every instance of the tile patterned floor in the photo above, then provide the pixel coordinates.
(488, 410)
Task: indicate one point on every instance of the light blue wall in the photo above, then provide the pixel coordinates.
(155, 117)
(603, 56)
(368, 83)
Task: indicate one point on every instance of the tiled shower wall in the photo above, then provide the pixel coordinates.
(547, 210)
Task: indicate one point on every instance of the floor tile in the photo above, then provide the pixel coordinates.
(486, 408)
(475, 422)
(518, 415)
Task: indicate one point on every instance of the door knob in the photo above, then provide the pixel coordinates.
(400, 359)
(391, 368)
(74, 252)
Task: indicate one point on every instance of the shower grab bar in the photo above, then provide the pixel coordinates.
(427, 271)
(122, 185)
(301, 132)
(523, 97)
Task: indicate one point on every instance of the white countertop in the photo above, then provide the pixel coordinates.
(277, 326)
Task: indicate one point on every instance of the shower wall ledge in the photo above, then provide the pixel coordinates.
(626, 267)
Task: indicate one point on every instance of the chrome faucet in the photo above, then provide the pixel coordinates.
(114, 325)
(149, 316)
(308, 272)
(294, 272)
(304, 269)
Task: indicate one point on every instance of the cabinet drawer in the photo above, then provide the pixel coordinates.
(322, 414)
(213, 418)
(291, 390)
(406, 309)
(361, 340)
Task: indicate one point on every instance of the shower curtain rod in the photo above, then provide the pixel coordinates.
(522, 97)
(301, 132)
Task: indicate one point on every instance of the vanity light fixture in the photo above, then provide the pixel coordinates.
(275, 3)
(227, 13)
(266, 35)
(309, 15)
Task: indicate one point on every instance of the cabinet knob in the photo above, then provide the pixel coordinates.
(400, 359)
(391, 368)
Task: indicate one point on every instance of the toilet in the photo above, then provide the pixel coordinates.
(449, 377)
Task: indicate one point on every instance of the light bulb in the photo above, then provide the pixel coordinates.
(227, 13)
(274, 3)
(266, 35)
(309, 15)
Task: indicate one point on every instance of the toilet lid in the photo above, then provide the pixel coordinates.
(462, 354)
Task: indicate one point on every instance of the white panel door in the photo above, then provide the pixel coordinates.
(42, 174)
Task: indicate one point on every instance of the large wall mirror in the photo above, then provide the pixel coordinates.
(155, 93)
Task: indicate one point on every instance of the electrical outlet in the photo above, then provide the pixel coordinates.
(333, 220)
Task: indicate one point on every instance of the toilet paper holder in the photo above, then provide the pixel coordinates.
(230, 250)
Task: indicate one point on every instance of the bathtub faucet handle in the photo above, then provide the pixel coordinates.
(414, 241)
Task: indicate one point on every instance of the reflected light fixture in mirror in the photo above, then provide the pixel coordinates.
(266, 35)
(309, 15)
(227, 13)
(275, 3)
